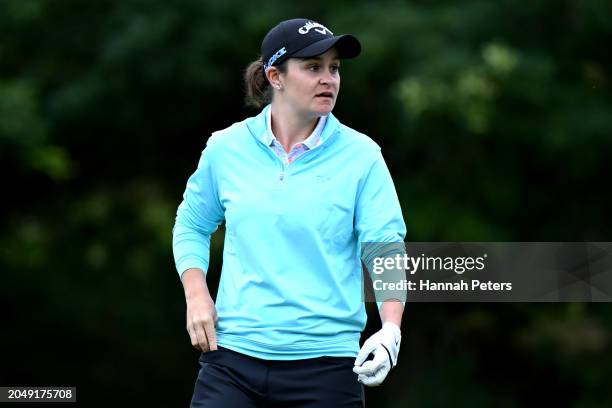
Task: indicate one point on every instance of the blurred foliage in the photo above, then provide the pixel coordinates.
(494, 117)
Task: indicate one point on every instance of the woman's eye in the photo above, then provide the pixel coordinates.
(313, 67)
(335, 68)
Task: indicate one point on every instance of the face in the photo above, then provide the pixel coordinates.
(311, 86)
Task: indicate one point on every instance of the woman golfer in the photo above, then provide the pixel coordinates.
(298, 192)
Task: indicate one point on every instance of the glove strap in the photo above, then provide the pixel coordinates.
(397, 338)
(388, 355)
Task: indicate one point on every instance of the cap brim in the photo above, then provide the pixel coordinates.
(347, 45)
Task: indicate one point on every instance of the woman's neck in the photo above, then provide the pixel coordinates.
(289, 127)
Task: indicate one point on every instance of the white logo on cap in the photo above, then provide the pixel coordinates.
(319, 28)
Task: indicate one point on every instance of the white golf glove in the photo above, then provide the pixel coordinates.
(385, 345)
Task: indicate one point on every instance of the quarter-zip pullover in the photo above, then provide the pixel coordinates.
(291, 284)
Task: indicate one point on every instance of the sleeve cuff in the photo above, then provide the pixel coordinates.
(190, 263)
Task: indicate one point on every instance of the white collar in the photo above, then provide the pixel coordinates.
(310, 142)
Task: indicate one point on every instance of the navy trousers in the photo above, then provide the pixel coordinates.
(228, 379)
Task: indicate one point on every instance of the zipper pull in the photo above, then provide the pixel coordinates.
(281, 176)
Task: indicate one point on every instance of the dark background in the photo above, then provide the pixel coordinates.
(494, 117)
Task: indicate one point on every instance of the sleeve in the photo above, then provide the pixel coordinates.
(379, 225)
(197, 217)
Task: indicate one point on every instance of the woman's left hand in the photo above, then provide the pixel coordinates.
(385, 345)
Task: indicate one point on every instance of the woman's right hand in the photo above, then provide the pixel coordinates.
(201, 321)
(201, 311)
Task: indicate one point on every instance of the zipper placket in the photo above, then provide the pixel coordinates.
(283, 167)
(281, 176)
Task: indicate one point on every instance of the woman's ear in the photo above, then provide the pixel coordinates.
(273, 75)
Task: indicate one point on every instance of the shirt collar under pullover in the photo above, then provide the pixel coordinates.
(311, 141)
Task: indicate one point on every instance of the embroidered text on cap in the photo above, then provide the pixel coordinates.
(319, 28)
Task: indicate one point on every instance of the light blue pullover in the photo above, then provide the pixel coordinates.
(290, 284)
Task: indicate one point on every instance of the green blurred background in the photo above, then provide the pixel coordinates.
(494, 117)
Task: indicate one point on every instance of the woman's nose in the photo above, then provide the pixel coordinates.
(328, 77)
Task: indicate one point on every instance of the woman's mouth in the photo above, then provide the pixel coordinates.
(325, 95)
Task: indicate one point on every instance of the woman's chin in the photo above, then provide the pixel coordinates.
(323, 110)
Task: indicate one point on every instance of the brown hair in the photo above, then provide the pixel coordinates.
(257, 88)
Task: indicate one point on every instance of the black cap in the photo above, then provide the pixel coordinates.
(303, 38)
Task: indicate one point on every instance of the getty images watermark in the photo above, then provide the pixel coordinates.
(488, 271)
(410, 264)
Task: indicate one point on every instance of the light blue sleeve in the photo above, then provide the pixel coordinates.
(378, 219)
(197, 217)
(378, 215)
